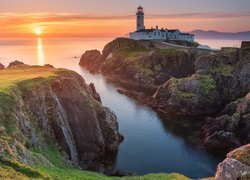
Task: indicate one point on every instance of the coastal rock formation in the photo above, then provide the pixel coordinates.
(91, 60)
(236, 165)
(185, 83)
(16, 64)
(231, 128)
(58, 113)
(137, 65)
(218, 80)
(1, 66)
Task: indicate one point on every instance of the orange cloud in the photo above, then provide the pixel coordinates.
(77, 25)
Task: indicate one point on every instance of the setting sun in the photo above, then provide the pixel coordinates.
(38, 31)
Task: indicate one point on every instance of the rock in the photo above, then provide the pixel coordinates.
(91, 60)
(133, 65)
(1, 66)
(215, 84)
(17, 64)
(245, 44)
(231, 169)
(122, 173)
(230, 129)
(48, 66)
(67, 114)
(241, 154)
(236, 165)
(95, 94)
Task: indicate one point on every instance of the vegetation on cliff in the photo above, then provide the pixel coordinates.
(36, 103)
(185, 83)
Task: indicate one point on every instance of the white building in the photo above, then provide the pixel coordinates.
(142, 33)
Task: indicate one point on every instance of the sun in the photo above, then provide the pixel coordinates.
(38, 31)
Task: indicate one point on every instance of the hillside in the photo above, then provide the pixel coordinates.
(53, 125)
(50, 117)
(200, 34)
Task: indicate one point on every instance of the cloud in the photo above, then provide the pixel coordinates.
(64, 17)
(14, 23)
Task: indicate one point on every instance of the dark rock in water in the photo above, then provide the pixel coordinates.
(17, 64)
(236, 165)
(122, 173)
(1, 66)
(95, 94)
(48, 66)
(91, 60)
(230, 129)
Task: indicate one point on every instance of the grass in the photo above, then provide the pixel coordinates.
(207, 84)
(25, 78)
(225, 70)
(9, 78)
(169, 52)
(13, 166)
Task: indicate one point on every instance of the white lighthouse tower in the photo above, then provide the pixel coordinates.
(140, 18)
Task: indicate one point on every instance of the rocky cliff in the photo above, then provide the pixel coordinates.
(1, 66)
(184, 83)
(219, 79)
(229, 129)
(139, 65)
(46, 111)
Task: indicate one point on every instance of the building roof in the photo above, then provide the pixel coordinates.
(145, 30)
(173, 30)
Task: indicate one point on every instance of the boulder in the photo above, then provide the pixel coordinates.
(235, 166)
(17, 64)
(1, 66)
(91, 60)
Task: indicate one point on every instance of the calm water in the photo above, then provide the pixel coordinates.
(152, 143)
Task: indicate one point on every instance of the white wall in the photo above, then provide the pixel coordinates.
(159, 35)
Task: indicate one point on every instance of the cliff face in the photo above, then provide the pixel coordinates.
(231, 128)
(218, 80)
(137, 65)
(1, 66)
(57, 112)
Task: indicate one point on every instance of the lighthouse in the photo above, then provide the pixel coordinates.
(140, 18)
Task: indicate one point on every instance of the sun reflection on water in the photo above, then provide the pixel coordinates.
(40, 53)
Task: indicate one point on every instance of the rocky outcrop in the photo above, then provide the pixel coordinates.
(91, 60)
(235, 166)
(63, 112)
(17, 64)
(1, 66)
(218, 80)
(134, 65)
(231, 128)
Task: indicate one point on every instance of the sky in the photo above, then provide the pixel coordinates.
(108, 18)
